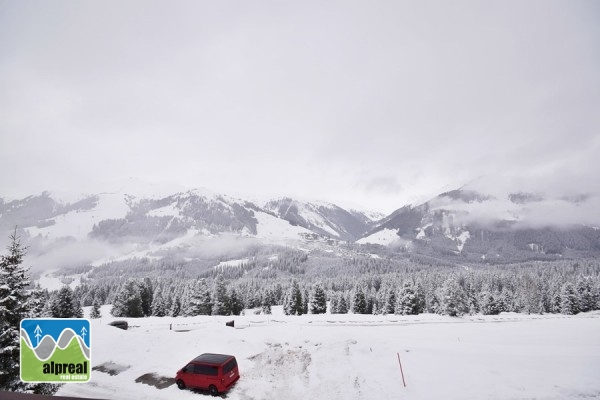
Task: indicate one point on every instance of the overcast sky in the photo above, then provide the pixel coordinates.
(372, 103)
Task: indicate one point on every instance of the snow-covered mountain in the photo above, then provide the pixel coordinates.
(323, 218)
(459, 225)
(120, 224)
(478, 226)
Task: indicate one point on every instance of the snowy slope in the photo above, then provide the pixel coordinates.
(277, 230)
(79, 223)
(323, 218)
(356, 356)
(383, 237)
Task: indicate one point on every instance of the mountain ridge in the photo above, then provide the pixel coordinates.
(461, 224)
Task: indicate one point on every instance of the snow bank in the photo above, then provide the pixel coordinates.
(509, 356)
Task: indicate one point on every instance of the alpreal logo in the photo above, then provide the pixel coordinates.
(55, 350)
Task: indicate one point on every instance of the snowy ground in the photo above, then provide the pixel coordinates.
(510, 356)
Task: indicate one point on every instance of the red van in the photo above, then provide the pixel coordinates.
(215, 372)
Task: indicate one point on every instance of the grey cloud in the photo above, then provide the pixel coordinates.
(299, 95)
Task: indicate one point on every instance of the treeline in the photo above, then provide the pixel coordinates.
(527, 288)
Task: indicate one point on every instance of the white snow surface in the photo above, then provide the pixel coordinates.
(315, 219)
(78, 224)
(169, 210)
(48, 281)
(509, 356)
(276, 229)
(383, 237)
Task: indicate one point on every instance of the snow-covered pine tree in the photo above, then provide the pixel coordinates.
(14, 306)
(334, 301)
(292, 304)
(359, 303)
(370, 300)
(556, 301)
(64, 305)
(390, 301)
(343, 305)
(95, 312)
(569, 303)
(318, 303)
(587, 295)
(406, 302)
(487, 303)
(158, 304)
(305, 301)
(453, 302)
(421, 298)
(175, 307)
(220, 301)
(201, 301)
(128, 301)
(297, 299)
(235, 304)
(287, 304)
(267, 301)
(38, 300)
(147, 296)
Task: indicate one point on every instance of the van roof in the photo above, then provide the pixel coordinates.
(210, 358)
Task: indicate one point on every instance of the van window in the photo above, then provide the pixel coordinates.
(229, 366)
(206, 370)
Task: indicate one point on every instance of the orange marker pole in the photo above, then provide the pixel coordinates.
(401, 372)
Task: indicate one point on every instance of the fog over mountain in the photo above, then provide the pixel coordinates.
(467, 224)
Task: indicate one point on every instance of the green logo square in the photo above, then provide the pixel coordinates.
(55, 350)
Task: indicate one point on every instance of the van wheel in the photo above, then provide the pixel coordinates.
(213, 390)
(180, 384)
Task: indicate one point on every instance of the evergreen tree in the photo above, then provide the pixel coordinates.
(318, 303)
(64, 305)
(334, 300)
(220, 301)
(147, 296)
(267, 301)
(305, 301)
(95, 312)
(420, 297)
(488, 304)
(390, 302)
(297, 298)
(175, 307)
(343, 306)
(14, 306)
(359, 303)
(128, 301)
(235, 305)
(159, 308)
(453, 302)
(201, 302)
(168, 302)
(569, 303)
(38, 299)
(556, 301)
(293, 300)
(370, 301)
(587, 298)
(287, 304)
(406, 303)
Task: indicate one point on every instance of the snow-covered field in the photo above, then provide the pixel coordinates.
(510, 356)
